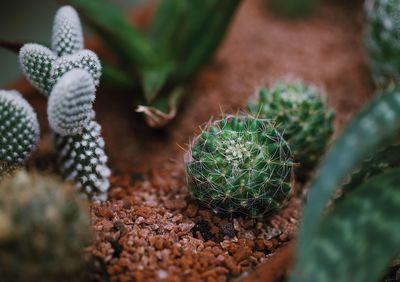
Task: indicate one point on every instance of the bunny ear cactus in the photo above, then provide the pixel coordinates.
(240, 164)
(70, 106)
(67, 37)
(19, 131)
(300, 113)
(36, 62)
(71, 78)
(44, 230)
(382, 40)
(83, 161)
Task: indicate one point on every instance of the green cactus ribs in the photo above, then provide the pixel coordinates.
(44, 229)
(300, 112)
(240, 164)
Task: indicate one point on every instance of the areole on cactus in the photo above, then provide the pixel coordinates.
(240, 164)
(19, 131)
(69, 75)
(301, 114)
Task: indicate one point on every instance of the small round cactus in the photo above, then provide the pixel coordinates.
(44, 229)
(84, 59)
(67, 37)
(301, 114)
(19, 130)
(70, 106)
(83, 161)
(382, 40)
(36, 62)
(240, 164)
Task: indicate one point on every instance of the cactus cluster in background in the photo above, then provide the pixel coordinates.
(44, 229)
(19, 131)
(69, 75)
(240, 164)
(301, 114)
(382, 40)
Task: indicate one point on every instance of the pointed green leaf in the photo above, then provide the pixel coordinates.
(373, 127)
(359, 238)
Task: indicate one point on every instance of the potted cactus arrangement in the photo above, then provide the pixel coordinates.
(230, 171)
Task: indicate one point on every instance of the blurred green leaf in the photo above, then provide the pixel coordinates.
(359, 238)
(374, 127)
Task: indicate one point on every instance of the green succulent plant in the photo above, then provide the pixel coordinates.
(70, 105)
(382, 40)
(44, 229)
(68, 75)
(301, 114)
(240, 164)
(182, 36)
(83, 161)
(19, 131)
(356, 238)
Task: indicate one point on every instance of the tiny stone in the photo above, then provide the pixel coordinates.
(228, 230)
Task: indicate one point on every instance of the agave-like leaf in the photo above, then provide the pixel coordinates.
(359, 238)
(376, 125)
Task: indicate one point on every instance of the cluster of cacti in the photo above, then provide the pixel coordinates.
(240, 164)
(19, 131)
(382, 40)
(44, 229)
(68, 75)
(300, 113)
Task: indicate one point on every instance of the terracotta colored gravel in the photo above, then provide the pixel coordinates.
(151, 230)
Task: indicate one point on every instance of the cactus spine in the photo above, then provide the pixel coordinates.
(301, 114)
(19, 131)
(44, 230)
(240, 164)
(71, 77)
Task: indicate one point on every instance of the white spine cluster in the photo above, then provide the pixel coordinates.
(19, 128)
(84, 59)
(70, 106)
(67, 37)
(36, 62)
(82, 160)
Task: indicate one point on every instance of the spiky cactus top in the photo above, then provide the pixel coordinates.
(68, 75)
(19, 130)
(382, 39)
(240, 164)
(44, 229)
(301, 114)
(70, 106)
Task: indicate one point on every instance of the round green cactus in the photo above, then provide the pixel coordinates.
(44, 229)
(240, 165)
(19, 131)
(70, 106)
(382, 40)
(301, 114)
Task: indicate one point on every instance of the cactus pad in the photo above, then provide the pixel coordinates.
(36, 62)
(85, 59)
(240, 164)
(83, 161)
(19, 130)
(301, 114)
(70, 106)
(67, 37)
